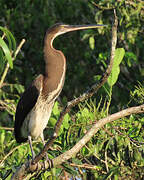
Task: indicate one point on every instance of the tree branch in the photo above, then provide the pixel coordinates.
(7, 128)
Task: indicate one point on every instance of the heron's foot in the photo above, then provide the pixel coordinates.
(48, 162)
(46, 155)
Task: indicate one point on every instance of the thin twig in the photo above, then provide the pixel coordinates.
(7, 65)
(85, 166)
(3, 36)
(7, 128)
(7, 106)
(106, 161)
(4, 74)
(18, 48)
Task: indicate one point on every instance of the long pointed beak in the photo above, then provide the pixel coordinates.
(69, 28)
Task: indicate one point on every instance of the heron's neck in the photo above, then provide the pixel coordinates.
(55, 66)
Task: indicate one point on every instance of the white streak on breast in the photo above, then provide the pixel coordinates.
(59, 87)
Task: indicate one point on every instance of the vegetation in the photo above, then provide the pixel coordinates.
(116, 151)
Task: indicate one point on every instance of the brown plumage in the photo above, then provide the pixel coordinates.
(35, 106)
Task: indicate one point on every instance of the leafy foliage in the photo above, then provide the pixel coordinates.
(138, 94)
(117, 150)
(7, 50)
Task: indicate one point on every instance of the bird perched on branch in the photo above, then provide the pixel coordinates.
(35, 105)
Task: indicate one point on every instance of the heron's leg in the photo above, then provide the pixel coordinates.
(32, 151)
(42, 137)
(47, 159)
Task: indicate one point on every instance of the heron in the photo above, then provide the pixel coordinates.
(35, 105)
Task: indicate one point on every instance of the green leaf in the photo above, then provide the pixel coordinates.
(114, 76)
(56, 110)
(86, 36)
(119, 54)
(52, 121)
(2, 61)
(66, 121)
(92, 42)
(19, 88)
(6, 52)
(10, 38)
(13, 40)
(2, 138)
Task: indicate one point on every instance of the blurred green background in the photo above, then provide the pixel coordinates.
(87, 53)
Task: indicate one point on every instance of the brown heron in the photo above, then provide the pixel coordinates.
(35, 105)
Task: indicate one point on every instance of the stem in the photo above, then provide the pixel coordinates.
(4, 74)
(7, 65)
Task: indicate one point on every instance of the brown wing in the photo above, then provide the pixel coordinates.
(25, 105)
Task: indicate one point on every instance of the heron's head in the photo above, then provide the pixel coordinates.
(61, 28)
